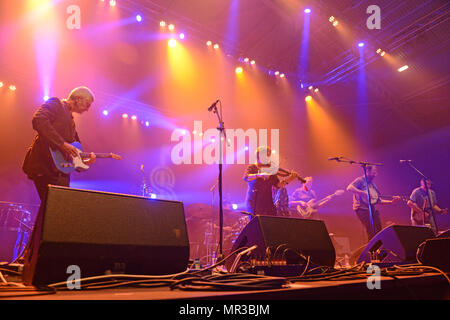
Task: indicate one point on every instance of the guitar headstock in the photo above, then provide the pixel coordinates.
(115, 156)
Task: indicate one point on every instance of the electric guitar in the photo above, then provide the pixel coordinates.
(423, 217)
(76, 163)
(311, 207)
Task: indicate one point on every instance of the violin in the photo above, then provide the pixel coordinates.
(287, 172)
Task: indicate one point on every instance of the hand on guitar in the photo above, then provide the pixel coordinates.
(91, 159)
(69, 151)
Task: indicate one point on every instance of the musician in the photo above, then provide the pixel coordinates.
(260, 183)
(304, 194)
(360, 203)
(55, 128)
(421, 208)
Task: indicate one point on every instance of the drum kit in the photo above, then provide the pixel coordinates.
(202, 222)
(15, 230)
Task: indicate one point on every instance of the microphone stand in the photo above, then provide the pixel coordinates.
(221, 129)
(364, 166)
(428, 196)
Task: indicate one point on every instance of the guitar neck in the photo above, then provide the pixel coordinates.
(98, 155)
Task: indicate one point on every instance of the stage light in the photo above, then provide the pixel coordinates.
(138, 18)
(308, 98)
(112, 3)
(216, 46)
(172, 43)
(403, 68)
(335, 23)
(208, 43)
(282, 75)
(307, 10)
(181, 36)
(277, 73)
(246, 60)
(382, 53)
(331, 19)
(252, 62)
(153, 196)
(310, 87)
(171, 27)
(361, 44)
(133, 117)
(378, 51)
(246, 148)
(316, 90)
(183, 132)
(147, 124)
(12, 88)
(46, 98)
(1, 84)
(238, 70)
(105, 112)
(274, 151)
(125, 116)
(234, 206)
(162, 23)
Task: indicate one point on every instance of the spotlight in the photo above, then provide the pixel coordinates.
(181, 36)
(172, 43)
(171, 27)
(147, 124)
(316, 90)
(234, 206)
(403, 68)
(252, 62)
(277, 73)
(133, 117)
(125, 116)
(382, 53)
(153, 196)
(246, 60)
(112, 3)
(162, 23)
(238, 70)
(308, 98)
(335, 23)
(138, 18)
(216, 46)
(310, 87)
(307, 10)
(105, 112)
(246, 148)
(331, 19)
(1, 84)
(12, 88)
(208, 43)
(361, 44)
(378, 51)
(282, 75)
(46, 98)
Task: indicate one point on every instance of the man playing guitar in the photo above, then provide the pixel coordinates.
(360, 205)
(421, 210)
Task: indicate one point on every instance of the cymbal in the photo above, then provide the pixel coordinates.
(199, 210)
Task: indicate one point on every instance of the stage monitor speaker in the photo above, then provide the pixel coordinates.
(105, 233)
(395, 243)
(435, 253)
(292, 236)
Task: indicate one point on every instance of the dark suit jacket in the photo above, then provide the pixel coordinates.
(54, 125)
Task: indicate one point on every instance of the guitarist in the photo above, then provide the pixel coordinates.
(421, 208)
(304, 194)
(55, 128)
(360, 205)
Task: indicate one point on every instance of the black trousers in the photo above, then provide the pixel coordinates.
(364, 217)
(41, 183)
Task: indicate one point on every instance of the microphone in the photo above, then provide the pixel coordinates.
(406, 161)
(335, 158)
(213, 105)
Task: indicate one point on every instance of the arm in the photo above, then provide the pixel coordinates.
(42, 123)
(285, 182)
(353, 189)
(414, 206)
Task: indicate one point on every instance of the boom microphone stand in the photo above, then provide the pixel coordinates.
(364, 166)
(427, 191)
